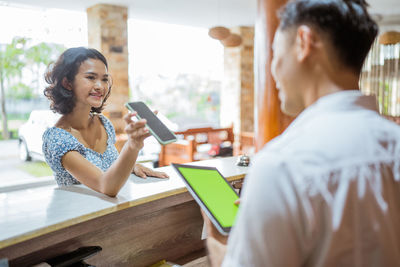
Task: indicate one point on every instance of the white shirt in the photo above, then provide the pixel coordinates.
(324, 193)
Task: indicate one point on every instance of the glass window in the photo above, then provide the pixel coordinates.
(381, 76)
(177, 70)
(42, 35)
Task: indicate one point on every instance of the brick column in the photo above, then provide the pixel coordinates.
(107, 31)
(237, 96)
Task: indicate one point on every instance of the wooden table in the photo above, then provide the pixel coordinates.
(149, 220)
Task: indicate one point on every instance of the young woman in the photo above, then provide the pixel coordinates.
(80, 147)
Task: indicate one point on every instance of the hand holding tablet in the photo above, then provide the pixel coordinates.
(212, 192)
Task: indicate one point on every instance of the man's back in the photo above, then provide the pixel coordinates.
(324, 193)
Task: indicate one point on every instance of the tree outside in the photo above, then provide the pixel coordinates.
(17, 59)
(38, 58)
(190, 100)
(11, 64)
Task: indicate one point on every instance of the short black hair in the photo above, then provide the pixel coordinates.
(67, 66)
(347, 24)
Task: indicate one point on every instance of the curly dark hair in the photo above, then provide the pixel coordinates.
(346, 23)
(67, 66)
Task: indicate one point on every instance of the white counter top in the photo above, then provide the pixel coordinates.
(29, 213)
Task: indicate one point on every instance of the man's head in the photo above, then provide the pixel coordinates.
(319, 37)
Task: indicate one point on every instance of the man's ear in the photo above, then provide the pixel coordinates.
(66, 84)
(305, 42)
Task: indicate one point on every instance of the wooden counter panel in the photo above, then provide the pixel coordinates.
(149, 220)
(136, 236)
(33, 212)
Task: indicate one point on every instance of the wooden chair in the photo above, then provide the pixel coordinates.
(245, 144)
(188, 147)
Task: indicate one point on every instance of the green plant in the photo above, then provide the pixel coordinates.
(40, 56)
(185, 98)
(15, 57)
(12, 134)
(20, 91)
(11, 64)
(18, 116)
(36, 168)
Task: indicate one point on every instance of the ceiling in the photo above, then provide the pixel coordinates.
(203, 13)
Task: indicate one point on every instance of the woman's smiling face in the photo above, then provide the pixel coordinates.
(91, 83)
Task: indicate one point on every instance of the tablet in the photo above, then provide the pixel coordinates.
(154, 124)
(212, 192)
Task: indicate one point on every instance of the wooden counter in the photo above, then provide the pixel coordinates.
(150, 220)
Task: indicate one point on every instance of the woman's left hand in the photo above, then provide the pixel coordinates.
(143, 172)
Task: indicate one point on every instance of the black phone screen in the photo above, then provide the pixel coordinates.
(156, 127)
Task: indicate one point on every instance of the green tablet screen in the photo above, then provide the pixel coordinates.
(214, 192)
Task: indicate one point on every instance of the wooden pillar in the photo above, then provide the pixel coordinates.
(269, 119)
(107, 32)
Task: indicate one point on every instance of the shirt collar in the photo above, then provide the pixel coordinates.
(345, 100)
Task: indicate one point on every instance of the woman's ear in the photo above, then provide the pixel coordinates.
(66, 84)
(305, 41)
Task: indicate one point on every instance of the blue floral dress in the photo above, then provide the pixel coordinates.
(57, 142)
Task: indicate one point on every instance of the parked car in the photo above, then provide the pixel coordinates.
(30, 133)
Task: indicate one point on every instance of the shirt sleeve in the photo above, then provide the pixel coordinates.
(270, 229)
(56, 143)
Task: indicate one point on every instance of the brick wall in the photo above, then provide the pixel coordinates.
(107, 30)
(237, 96)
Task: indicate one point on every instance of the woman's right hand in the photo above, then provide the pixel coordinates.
(136, 131)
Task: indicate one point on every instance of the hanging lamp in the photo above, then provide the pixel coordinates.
(389, 38)
(219, 32)
(232, 40)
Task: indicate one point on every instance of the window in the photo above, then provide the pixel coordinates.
(24, 93)
(177, 70)
(381, 77)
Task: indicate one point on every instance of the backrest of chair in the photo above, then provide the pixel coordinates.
(183, 151)
(245, 144)
(208, 135)
(179, 152)
(220, 135)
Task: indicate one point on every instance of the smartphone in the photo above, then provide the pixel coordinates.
(156, 127)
